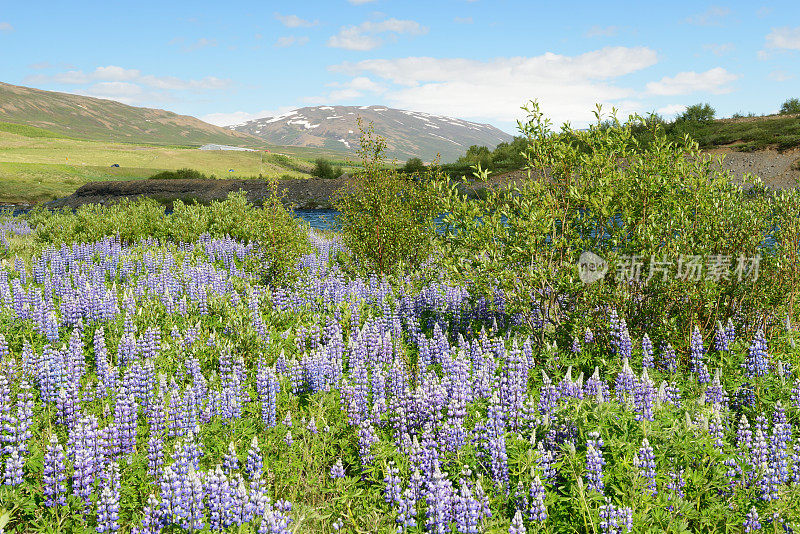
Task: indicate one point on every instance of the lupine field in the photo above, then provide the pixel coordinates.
(222, 369)
(158, 388)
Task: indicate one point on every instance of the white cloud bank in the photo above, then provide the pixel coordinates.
(567, 87)
(784, 38)
(293, 21)
(714, 81)
(128, 86)
(238, 117)
(6, 27)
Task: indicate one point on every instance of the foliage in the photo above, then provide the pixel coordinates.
(697, 113)
(280, 237)
(386, 217)
(414, 166)
(665, 203)
(180, 174)
(791, 106)
(27, 131)
(324, 169)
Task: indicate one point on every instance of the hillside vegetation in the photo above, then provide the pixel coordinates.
(97, 119)
(36, 165)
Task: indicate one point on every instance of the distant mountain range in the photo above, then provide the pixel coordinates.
(327, 130)
(84, 117)
(407, 133)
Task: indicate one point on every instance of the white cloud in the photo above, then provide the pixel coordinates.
(359, 2)
(711, 17)
(719, 49)
(463, 20)
(567, 87)
(714, 81)
(293, 21)
(290, 40)
(238, 117)
(354, 88)
(780, 75)
(365, 36)
(6, 27)
(784, 38)
(128, 85)
(671, 110)
(602, 31)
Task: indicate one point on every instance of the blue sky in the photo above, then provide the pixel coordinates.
(480, 60)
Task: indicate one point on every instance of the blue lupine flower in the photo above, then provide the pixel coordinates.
(757, 357)
(517, 526)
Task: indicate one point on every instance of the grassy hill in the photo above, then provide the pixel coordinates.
(37, 165)
(746, 133)
(83, 117)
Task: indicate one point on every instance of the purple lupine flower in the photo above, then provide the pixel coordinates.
(537, 510)
(108, 504)
(14, 465)
(517, 526)
(255, 462)
(155, 455)
(645, 462)
(721, 341)
(407, 511)
(588, 336)
(672, 394)
(194, 494)
(392, 489)
(219, 499)
(744, 436)
(647, 352)
(669, 360)
(697, 355)
(366, 438)
(54, 474)
(613, 519)
(151, 517)
(576, 346)
(289, 440)
(751, 522)
(312, 426)
(730, 331)
(594, 462)
(337, 471)
(757, 363)
(438, 497)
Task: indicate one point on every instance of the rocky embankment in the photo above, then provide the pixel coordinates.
(777, 169)
(311, 193)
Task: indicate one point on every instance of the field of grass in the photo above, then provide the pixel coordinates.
(748, 133)
(36, 165)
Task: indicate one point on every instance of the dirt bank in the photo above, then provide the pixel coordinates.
(309, 193)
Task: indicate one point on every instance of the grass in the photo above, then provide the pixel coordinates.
(36, 167)
(747, 134)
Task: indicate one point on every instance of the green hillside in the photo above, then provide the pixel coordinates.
(83, 117)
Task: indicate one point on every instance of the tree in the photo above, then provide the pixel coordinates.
(697, 113)
(791, 106)
(323, 169)
(414, 166)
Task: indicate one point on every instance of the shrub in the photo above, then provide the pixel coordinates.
(697, 113)
(791, 106)
(180, 174)
(324, 169)
(386, 217)
(414, 166)
(666, 202)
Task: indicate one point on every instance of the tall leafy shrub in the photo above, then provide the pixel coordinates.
(603, 191)
(386, 217)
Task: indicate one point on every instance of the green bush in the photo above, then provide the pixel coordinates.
(414, 166)
(324, 169)
(180, 174)
(697, 113)
(386, 217)
(791, 106)
(666, 201)
(281, 238)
